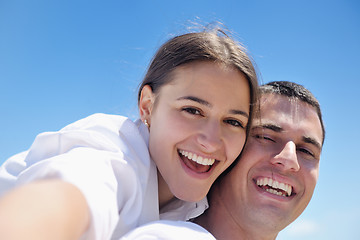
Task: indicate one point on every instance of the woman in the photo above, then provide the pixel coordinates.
(105, 175)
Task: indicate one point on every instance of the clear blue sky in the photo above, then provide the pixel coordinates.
(63, 60)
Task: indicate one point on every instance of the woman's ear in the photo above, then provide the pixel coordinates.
(146, 103)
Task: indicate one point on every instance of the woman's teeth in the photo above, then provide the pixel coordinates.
(197, 159)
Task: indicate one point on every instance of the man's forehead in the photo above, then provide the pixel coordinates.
(282, 105)
(288, 115)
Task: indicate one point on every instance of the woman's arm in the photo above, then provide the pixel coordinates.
(48, 209)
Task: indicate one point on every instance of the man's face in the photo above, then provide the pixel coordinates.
(275, 178)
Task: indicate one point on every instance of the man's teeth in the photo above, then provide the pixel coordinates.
(274, 186)
(197, 159)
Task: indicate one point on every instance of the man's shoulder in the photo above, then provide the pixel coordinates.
(170, 230)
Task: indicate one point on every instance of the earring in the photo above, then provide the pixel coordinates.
(146, 123)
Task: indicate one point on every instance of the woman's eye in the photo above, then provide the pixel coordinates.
(234, 123)
(192, 111)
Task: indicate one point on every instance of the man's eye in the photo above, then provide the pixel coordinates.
(306, 152)
(263, 137)
(192, 111)
(234, 123)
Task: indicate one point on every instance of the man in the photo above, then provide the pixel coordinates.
(273, 181)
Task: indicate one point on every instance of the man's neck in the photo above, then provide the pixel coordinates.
(221, 223)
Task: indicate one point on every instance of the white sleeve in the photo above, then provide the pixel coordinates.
(10, 170)
(94, 178)
(95, 160)
(169, 230)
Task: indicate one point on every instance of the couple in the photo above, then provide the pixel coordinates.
(105, 175)
(274, 179)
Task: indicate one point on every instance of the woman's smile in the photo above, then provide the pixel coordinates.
(202, 114)
(196, 162)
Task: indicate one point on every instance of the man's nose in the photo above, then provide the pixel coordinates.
(286, 158)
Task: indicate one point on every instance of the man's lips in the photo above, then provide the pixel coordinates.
(274, 187)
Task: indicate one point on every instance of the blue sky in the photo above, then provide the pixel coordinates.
(63, 60)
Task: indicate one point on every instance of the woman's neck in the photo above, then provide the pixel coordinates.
(165, 195)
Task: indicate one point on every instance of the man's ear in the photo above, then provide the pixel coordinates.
(146, 103)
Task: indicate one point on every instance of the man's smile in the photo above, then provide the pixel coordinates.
(272, 186)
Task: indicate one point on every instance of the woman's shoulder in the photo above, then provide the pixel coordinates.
(99, 120)
(105, 127)
(101, 132)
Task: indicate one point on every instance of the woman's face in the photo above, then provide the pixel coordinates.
(197, 126)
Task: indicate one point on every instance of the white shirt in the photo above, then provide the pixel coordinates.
(107, 158)
(169, 230)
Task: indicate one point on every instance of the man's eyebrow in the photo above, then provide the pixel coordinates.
(312, 141)
(269, 126)
(206, 103)
(276, 128)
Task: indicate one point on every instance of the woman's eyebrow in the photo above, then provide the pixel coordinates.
(206, 103)
(239, 112)
(196, 99)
